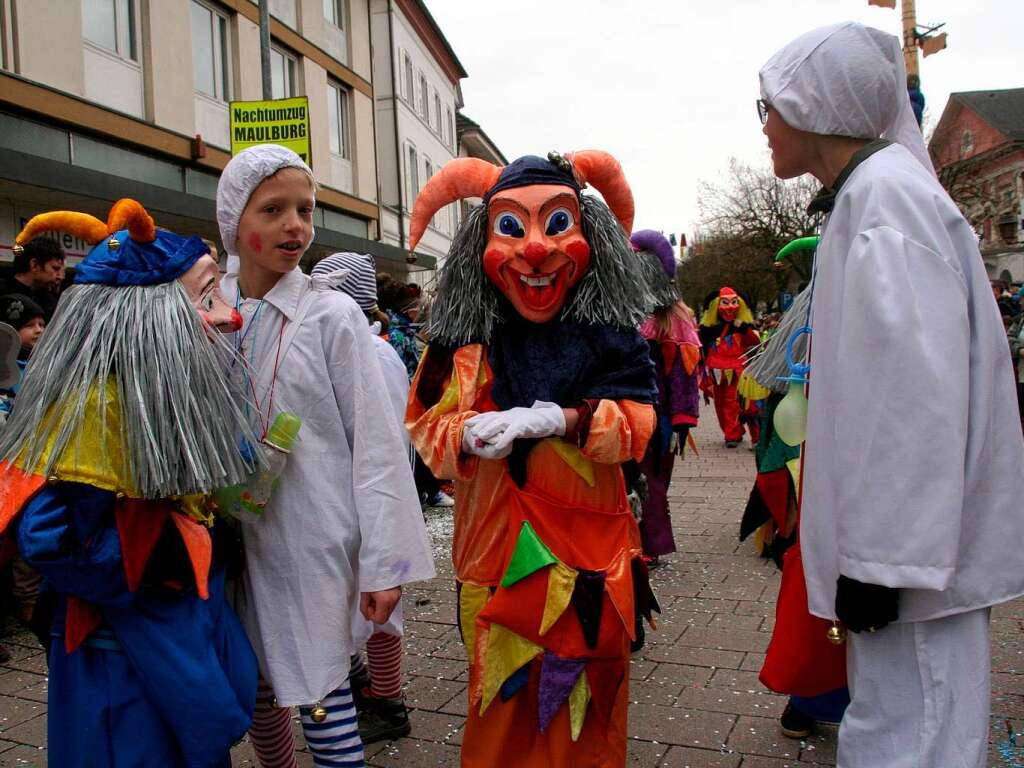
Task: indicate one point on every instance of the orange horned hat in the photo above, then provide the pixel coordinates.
(135, 252)
(126, 213)
(470, 177)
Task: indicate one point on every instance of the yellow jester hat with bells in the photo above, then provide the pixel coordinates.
(126, 392)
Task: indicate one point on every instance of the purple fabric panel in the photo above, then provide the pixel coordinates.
(557, 677)
(678, 392)
(656, 526)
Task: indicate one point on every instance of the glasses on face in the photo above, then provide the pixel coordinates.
(762, 110)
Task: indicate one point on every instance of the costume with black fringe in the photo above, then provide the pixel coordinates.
(546, 550)
(124, 423)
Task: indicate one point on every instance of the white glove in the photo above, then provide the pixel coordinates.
(471, 443)
(500, 429)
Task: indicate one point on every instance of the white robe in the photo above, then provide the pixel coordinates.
(346, 518)
(396, 378)
(914, 471)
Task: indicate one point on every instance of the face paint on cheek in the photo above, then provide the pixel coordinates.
(255, 242)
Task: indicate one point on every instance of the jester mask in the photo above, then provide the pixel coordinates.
(725, 306)
(536, 238)
(728, 304)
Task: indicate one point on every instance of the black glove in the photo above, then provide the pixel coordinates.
(861, 606)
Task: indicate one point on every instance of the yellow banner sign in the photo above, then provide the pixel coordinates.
(281, 121)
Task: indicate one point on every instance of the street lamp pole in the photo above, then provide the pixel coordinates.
(910, 37)
(268, 90)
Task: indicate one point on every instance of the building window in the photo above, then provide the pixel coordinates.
(211, 73)
(285, 10)
(449, 130)
(428, 171)
(413, 170)
(282, 74)
(966, 143)
(409, 93)
(437, 113)
(334, 12)
(337, 119)
(424, 99)
(112, 24)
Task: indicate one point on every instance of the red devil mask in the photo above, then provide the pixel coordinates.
(728, 304)
(535, 251)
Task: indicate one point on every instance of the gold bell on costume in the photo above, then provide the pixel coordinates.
(318, 714)
(836, 634)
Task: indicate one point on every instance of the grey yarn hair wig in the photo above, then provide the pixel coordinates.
(662, 288)
(614, 290)
(180, 425)
(767, 363)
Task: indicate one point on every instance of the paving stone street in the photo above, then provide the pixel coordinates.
(696, 699)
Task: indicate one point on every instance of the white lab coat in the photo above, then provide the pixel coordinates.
(914, 470)
(346, 518)
(396, 379)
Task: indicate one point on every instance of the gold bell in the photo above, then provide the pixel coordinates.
(836, 634)
(113, 244)
(318, 714)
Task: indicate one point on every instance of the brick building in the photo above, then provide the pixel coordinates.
(978, 151)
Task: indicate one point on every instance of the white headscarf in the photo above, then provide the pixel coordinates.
(240, 177)
(845, 80)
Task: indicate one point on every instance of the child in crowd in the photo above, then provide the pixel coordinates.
(26, 317)
(377, 682)
(343, 528)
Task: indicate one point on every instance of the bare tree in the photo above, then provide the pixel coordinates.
(744, 222)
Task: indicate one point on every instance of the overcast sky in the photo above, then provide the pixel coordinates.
(668, 86)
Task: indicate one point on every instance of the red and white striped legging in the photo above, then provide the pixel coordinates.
(384, 658)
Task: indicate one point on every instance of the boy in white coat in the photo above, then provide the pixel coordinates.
(911, 521)
(344, 527)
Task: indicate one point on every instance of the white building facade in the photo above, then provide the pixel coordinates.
(416, 83)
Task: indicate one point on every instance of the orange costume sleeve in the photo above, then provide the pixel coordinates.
(437, 431)
(619, 431)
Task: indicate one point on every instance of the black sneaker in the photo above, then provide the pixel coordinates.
(794, 724)
(382, 719)
(731, 443)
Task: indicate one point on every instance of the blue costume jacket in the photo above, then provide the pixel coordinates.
(168, 679)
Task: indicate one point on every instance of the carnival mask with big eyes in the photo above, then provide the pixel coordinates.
(728, 306)
(535, 248)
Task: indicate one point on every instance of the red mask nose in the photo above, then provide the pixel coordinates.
(535, 255)
(236, 320)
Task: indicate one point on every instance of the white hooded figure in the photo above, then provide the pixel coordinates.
(911, 517)
(344, 528)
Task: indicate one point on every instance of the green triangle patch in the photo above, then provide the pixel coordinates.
(530, 556)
